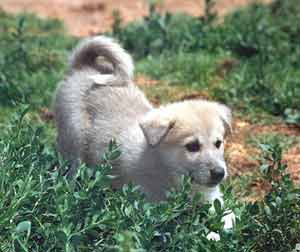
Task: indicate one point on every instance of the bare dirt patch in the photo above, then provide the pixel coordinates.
(241, 155)
(87, 17)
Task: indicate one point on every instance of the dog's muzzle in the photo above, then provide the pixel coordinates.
(215, 176)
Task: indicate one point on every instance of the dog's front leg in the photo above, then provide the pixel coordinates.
(228, 219)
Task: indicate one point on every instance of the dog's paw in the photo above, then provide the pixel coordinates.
(213, 236)
(229, 220)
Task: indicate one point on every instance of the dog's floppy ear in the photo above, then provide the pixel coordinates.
(155, 127)
(226, 117)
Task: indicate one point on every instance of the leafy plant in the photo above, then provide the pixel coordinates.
(157, 33)
(262, 43)
(276, 222)
(268, 52)
(42, 210)
(33, 59)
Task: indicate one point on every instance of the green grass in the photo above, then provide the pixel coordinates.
(198, 70)
(284, 141)
(42, 210)
(32, 59)
(263, 42)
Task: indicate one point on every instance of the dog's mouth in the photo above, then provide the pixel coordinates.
(212, 184)
(196, 181)
(192, 178)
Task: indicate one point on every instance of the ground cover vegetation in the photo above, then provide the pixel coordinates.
(249, 60)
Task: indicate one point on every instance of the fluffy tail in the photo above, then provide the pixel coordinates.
(90, 50)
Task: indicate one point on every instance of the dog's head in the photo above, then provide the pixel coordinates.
(189, 139)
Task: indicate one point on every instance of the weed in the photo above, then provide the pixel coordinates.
(191, 69)
(159, 32)
(262, 40)
(33, 59)
(42, 210)
(284, 141)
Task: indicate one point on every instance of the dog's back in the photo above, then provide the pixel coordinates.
(96, 101)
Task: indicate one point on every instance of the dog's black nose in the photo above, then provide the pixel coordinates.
(217, 174)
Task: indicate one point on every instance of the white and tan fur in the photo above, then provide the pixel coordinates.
(98, 101)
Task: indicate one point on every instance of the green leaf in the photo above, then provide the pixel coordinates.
(218, 206)
(268, 210)
(24, 226)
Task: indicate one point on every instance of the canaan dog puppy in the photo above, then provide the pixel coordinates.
(98, 101)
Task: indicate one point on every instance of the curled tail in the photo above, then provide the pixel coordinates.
(87, 53)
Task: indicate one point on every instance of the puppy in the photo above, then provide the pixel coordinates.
(98, 101)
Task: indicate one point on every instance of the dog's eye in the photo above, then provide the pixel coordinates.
(218, 144)
(194, 146)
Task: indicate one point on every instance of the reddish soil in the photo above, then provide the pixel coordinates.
(86, 17)
(241, 155)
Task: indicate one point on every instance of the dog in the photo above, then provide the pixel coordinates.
(98, 101)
